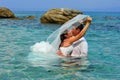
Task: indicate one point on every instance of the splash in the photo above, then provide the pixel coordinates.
(42, 47)
(42, 54)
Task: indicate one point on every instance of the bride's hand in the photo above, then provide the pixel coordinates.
(89, 19)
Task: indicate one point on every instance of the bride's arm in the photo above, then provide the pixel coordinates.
(82, 33)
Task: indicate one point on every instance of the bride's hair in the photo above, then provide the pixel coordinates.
(62, 36)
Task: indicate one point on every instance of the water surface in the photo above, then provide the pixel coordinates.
(17, 36)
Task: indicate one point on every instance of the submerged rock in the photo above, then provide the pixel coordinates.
(26, 17)
(30, 17)
(6, 13)
(59, 15)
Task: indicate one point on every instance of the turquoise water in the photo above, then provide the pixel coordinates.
(17, 36)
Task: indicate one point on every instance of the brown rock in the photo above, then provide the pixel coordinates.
(30, 17)
(6, 13)
(59, 15)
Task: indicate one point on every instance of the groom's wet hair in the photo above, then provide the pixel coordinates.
(80, 27)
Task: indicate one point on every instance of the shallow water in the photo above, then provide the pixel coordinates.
(17, 36)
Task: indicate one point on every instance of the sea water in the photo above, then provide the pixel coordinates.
(21, 59)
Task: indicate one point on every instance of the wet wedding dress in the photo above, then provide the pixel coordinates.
(66, 50)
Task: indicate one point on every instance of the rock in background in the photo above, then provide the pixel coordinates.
(6, 13)
(59, 15)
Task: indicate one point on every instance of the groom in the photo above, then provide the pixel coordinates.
(80, 46)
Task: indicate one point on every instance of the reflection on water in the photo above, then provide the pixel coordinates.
(75, 64)
(49, 61)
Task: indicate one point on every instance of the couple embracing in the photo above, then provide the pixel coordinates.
(72, 41)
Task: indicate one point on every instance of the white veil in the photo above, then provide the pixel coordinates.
(54, 38)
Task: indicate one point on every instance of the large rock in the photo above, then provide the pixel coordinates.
(59, 15)
(6, 13)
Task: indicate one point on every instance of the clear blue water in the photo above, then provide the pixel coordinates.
(17, 36)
